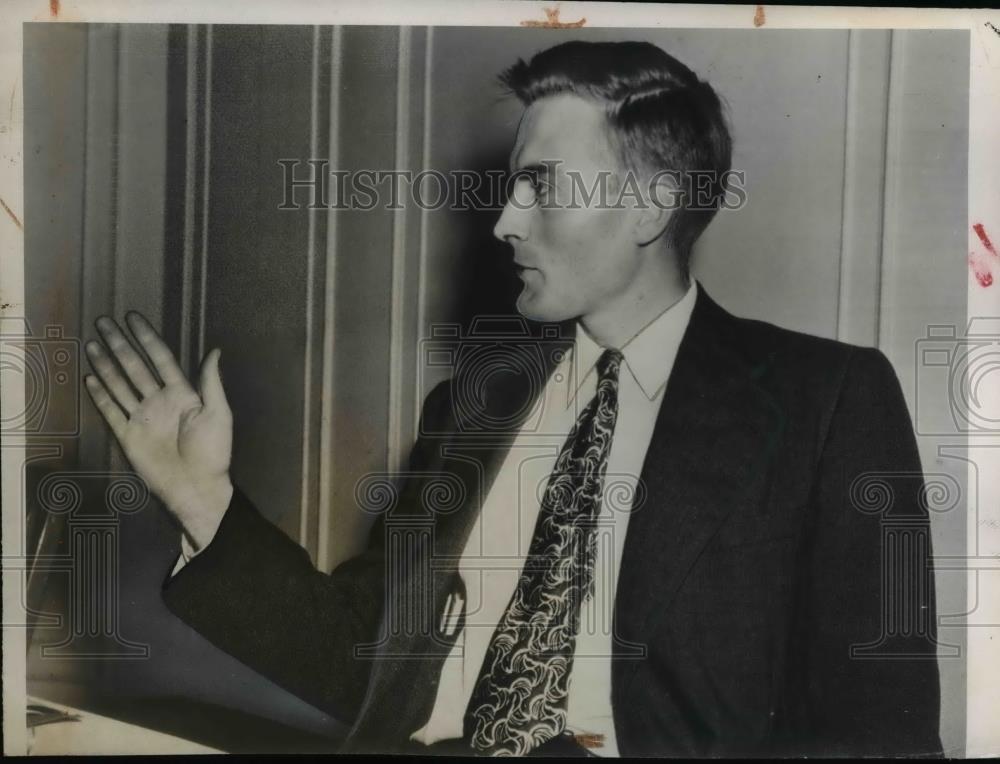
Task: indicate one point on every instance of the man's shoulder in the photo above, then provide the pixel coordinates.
(795, 360)
(762, 338)
(810, 378)
(792, 346)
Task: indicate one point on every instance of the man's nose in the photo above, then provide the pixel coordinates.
(513, 223)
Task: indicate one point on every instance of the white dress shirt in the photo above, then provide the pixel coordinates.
(498, 544)
(492, 559)
(187, 552)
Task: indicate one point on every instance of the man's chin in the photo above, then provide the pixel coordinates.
(534, 310)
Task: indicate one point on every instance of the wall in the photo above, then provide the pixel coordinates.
(117, 217)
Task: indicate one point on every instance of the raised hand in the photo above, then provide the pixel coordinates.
(178, 440)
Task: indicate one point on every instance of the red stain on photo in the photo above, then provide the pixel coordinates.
(54, 8)
(759, 17)
(980, 270)
(981, 233)
(552, 21)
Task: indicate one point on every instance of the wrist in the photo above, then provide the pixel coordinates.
(200, 508)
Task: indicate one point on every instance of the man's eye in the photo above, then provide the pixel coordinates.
(539, 185)
(530, 178)
(527, 187)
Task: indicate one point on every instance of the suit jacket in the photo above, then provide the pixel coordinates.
(775, 594)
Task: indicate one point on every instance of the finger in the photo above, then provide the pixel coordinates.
(112, 378)
(210, 384)
(133, 364)
(157, 350)
(105, 404)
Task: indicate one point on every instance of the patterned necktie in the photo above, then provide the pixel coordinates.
(519, 701)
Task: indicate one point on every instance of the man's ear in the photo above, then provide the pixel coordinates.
(660, 201)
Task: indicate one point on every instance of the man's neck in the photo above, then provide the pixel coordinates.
(618, 322)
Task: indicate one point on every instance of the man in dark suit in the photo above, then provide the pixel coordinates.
(746, 570)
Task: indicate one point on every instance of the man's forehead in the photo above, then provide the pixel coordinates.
(562, 128)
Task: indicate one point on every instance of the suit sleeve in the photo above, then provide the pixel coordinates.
(868, 636)
(254, 593)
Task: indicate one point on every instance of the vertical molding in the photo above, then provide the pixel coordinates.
(192, 147)
(197, 181)
(392, 235)
(100, 162)
(205, 188)
(120, 118)
(116, 459)
(309, 529)
(849, 189)
(329, 294)
(890, 200)
(868, 60)
(307, 392)
(394, 444)
(421, 322)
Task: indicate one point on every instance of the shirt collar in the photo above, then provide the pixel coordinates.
(648, 356)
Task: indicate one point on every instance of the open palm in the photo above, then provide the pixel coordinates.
(178, 440)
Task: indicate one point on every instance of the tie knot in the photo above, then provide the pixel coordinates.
(609, 364)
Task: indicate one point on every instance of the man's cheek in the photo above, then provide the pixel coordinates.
(567, 223)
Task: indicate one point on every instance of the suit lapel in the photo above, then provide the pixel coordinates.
(705, 461)
(487, 412)
(490, 416)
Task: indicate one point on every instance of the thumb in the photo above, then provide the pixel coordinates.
(210, 383)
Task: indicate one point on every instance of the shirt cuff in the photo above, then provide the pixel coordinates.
(187, 554)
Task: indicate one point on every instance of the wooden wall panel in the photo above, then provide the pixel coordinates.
(864, 189)
(362, 256)
(257, 255)
(55, 100)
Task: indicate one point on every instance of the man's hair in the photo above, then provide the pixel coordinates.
(662, 117)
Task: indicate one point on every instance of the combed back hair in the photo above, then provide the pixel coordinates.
(662, 117)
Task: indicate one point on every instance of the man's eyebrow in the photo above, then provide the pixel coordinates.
(539, 168)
